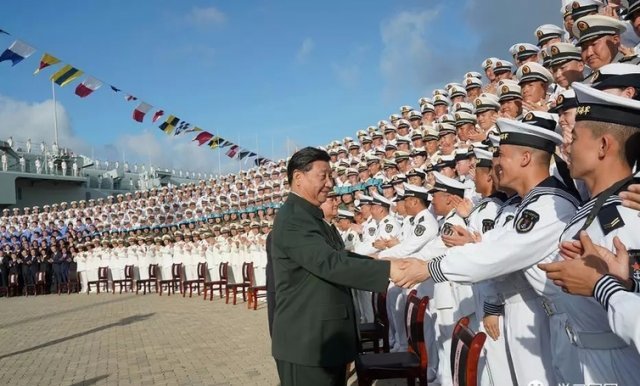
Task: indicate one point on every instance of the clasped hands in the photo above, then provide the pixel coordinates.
(408, 272)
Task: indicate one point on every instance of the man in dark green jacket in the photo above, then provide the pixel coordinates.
(314, 327)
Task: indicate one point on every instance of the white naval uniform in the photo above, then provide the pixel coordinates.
(623, 309)
(541, 216)
(604, 357)
(423, 229)
(81, 261)
(494, 367)
(449, 301)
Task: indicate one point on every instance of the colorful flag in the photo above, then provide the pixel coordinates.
(170, 124)
(46, 61)
(88, 86)
(140, 111)
(193, 129)
(66, 75)
(115, 89)
(130, 98)
(233, 151)
(203, 138)
(182, 126)
(157, 115)
(17, 52)
(215, 142)
(243, 154)
(226, 143)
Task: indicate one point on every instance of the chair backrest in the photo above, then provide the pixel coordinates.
(153, 271)
(41, 277)
(13, 278)
(176, 271)
(202, 271)
(223, 271)
(466, 347)
(379, 302)
(73, 270)
(128, 271)
(103, 273)
(247, 273)
(414, 312)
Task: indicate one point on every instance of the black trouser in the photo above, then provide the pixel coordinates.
(293, 374)
(28, 277)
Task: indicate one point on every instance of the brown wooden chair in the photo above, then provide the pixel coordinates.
(14, 285)
(126, 282)
(202, 277)
(152, 280)
(254, 290)
(72, 284)
(29, 288)
(175, 281)
(409, 365)
(103, 278)
(213, 285)
(466, 347)
(247, 268)
(41, 283)
(378, 330)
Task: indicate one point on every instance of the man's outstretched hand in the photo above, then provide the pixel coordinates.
(408, 272)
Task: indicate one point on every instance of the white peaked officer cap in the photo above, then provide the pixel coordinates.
(524, 134)
(448, 185)
(601, 106)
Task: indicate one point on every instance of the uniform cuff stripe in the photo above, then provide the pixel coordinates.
(493, 309)
(436, 272)
(605, 288)
(635, 285)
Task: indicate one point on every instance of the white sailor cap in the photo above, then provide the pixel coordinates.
(426, 107)
(345, 214)
(431, 134)
(463, 117)
(441, 100)
(403, 123)
(484, 158)
(533, 71)
(524, 134)
(380, 200)
(457, 90)
(405, 109)
(424, 100)
(448, 185)
(472, 82)
(563, 52)
(365, 200)
(501, 65)
(440, 91)
(411, 190)
(634, 6)
(601, 106)
(595, 26)
(451, 84)
(546, 32)
(473, 74)
(525, 50)
(414, 114)
(582, 8)
(489, 62)
(616, 75)
(564, 101)
(464, 106)
(543, 119)
(394, 117)
(486, 102)
(508, 89)
(446, 128)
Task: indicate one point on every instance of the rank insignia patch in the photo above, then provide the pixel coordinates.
(527, 221)
(419, 231)
(372, 231)
(487, 225)
(447, 229)
(388, 228)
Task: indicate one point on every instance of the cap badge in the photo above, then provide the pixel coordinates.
(582, 25)
(583, 110)
(560, 99)
(521, 48)
(555, 50)
(539, 34)
(526, 70)
(504, 89)
(478, 102)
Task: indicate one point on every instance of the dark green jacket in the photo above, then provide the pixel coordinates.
(314, 323)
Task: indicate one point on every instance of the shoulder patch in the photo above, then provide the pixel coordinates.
(610, 219)
(350, 237)
(447, 229)
(487, 225)
(372, 231)
(527, 221)
(388, 228)
(634, 260)
(419, 231)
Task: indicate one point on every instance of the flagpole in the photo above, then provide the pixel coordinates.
(238, 138)
(257, 147)
(55, 115)
(273, 153)
(219, 160)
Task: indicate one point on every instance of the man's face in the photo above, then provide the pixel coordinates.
(330, 208)
(568, 25)
(440, 203)
(635, 22)
(600, 51)
(508, 165)
(415, 180)
(463, 167)
(473, 93)
(568, 72)
(441, 110)
(567, 119)
(483, 180)
(315, 184)
(511, 108)
(428, 117)
(448, 172)
(486, 119)
(489, 73)
(504, 75)
(446, 143)
(534, 92)
(583, 151)
(344, 224)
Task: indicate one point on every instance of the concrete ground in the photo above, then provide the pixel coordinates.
(126, 339)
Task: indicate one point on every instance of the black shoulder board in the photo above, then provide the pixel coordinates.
(610, 219)
(487, 225)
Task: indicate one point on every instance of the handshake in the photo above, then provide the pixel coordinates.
(408, 272)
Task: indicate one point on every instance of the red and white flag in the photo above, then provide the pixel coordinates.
(233, 151)
(157, 115)
(88, 86)
(140, 111)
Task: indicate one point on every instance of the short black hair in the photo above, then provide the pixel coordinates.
(302, 160)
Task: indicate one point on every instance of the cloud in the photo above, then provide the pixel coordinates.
(206, 16)
(305, 50)
(406, 53)
(348, 71)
